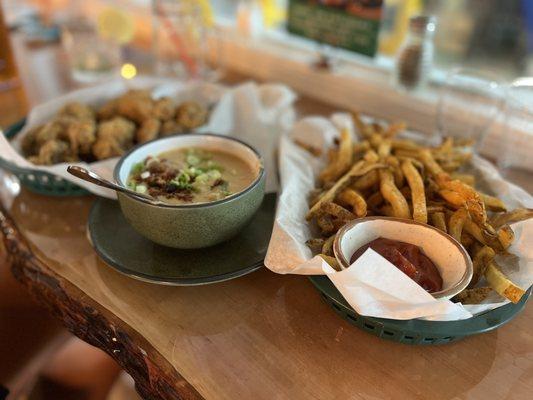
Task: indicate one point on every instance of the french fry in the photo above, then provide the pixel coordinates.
(343, 160)
(434, 207)
(367, 181)
(394, 163)
(429, 162)
(398, 144)
(499, 240)
(394, 129)
(456, 223)
(371, 156)
(450, 166)
(315, 244)
(361, 147)
(337, 211)
(384, 148)
(472, 296)
(438, 220)
(465, 178)
(493, 203)
(375, 140)
(467, 240)
(355, 200)
(505, 236)
(390, 192)
(475, 230)
(332, 261)
(375, 200)
(325, 223)
(481, 259)
(377, 127)
(356, 170)
(517, 215)
(446, 147)
(364, 130)
(407, 153)
(501, 284)
(418, 194)
(459, 194)
(327, 247)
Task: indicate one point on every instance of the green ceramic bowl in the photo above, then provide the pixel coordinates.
(192, 226)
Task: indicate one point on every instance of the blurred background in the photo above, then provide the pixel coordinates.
(488, 34)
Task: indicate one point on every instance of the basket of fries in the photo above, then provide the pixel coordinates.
(388, 173)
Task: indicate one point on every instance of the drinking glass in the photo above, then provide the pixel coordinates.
(179, 39)
(517, 133)
(91, 58)
(469, 102)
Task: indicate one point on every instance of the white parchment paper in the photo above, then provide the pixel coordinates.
(288, 253)
(252, 112)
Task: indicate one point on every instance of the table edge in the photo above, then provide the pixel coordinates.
(154, 376)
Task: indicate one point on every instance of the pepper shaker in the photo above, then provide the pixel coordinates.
(415, 56)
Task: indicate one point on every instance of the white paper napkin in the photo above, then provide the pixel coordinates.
(375, 287)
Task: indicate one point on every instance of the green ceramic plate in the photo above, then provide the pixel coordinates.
(128, 252)
(417, 331)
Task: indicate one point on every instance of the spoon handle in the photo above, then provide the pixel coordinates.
(82, 173)
(91, 177)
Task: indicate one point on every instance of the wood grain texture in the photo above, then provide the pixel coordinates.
(154, 377)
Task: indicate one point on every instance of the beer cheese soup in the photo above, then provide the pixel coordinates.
(191, 175)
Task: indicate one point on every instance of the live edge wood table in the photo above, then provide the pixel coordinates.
(262, 336)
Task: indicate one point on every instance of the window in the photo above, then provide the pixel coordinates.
(492, 35)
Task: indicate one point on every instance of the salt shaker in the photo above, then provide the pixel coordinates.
(415, 56)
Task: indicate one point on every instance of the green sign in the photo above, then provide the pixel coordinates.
(348, 24)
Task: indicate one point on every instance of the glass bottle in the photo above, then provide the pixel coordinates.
(415, 57)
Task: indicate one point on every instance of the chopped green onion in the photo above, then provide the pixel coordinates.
(137, 167)
(141, 189)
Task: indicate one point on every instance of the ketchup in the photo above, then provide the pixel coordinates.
(409, 259)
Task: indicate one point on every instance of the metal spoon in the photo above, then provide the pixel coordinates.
(96, 179)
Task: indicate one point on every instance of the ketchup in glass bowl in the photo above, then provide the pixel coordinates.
(430, 257)
(408, 258)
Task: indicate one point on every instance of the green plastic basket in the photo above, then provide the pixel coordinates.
(35, 180)
(417, 331)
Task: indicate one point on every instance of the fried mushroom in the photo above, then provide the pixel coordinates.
(53, 152)
(164, 109)
(81, 134)
(113, 138)
(148, 130)
(77, 110)
(169, 128)
(191, 115)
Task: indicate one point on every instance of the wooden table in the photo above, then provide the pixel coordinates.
(262, 336)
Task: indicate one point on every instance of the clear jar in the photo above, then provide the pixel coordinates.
(415, 57)
(179, 39)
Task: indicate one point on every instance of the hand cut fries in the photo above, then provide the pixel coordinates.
(342, 161)
(384, 175)
(503, 286)
(418, 196)
(354, 199)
